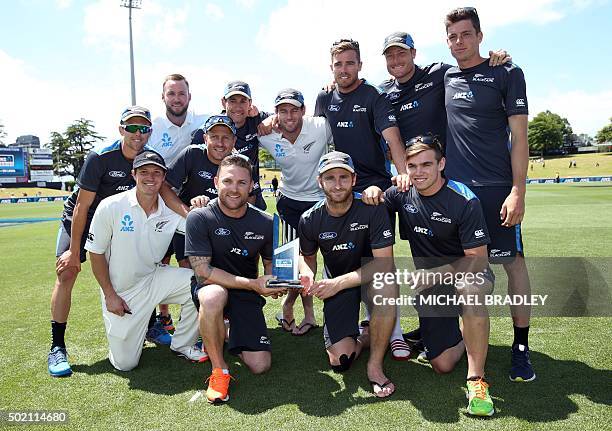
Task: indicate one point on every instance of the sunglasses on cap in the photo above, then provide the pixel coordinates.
(219, 119)
(352, 42)
(429, 140)
(468, 9)
(133, 128)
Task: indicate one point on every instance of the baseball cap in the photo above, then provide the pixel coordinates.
(223, 120)
(289, 95)
(399, 38)
(135, 111)
(237, 87)
(149, 158)
(336, 159)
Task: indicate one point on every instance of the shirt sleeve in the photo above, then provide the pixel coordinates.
(101, 229)
(308, 244)
(384, 115)
(268, 248)
(391, 198)
(178, 171)
(515, 98)
(197, 236)
(472, 226)
(381, 232)
(180, 228)
(197, 137)
(319, 110)
(329, 136)
(91, 173)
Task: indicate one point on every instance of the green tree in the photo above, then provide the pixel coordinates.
(605, 134)
(71, 147)
(265, 156)
(2, 135)
(548, 131)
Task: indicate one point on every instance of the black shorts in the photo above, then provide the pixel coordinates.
(62, 243)
(506, 242)
(341, 314)
(439, 323)
(291, 210)
(244, 309)
(178, 246)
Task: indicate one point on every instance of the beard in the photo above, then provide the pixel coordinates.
(232, 204)
(174, 113)
(339, 198)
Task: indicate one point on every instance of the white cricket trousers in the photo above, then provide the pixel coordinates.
(166, 285)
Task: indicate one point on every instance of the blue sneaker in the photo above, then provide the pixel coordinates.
(158, 335)
(522, 370)
(57, 362)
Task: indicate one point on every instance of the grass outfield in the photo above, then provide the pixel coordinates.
(572, 356)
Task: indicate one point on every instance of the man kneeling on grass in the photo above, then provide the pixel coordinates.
(129, 235)
(444, 223)
(224, 241)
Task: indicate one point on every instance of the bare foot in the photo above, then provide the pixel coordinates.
(305, 327)
(382, 387)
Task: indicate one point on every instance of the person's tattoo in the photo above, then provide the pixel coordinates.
(201, 267)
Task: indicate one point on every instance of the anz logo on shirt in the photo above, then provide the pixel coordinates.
(166, 140)
(465, 95)
(127, 224)
(346, 124)
(410, 105)
(423, 230)
(345, 246)
(278, 151)
(239, 252)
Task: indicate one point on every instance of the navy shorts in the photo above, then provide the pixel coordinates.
(63, 239)
(178, 246)
(341, 314)
(506, 242)
(244, 309)
(291, 210)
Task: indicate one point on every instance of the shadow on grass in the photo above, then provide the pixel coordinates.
(300, 376)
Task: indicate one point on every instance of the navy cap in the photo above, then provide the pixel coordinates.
(237, 87)
(399, 38)
(135, 111)
(289, 95)
(216, 120)
(336, 159)
(149, 158)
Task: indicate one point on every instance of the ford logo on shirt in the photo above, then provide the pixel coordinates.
(206, 175)
(411, 208)
(222, 231)
(333, 108)
(327, 235)
(117, 174)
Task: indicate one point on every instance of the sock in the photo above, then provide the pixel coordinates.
(521, 336)
(57, 334)
(152, 320)
(397, 329)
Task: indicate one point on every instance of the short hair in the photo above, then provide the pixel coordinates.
(174, 77)
(237, 160)
(419, 146)
(462, 13)
(345, 45)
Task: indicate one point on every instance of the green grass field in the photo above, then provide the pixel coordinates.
(586, 165)
(572, 356)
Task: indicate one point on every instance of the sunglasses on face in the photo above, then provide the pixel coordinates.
(133, 128)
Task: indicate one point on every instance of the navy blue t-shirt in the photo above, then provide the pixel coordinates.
(441, 226)
(105, 172)
(357, 120)
(479, 101)
(193, 174)
(345, 240)
(234, 244)
(419, 102)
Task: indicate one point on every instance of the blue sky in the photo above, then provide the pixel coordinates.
(61, 60)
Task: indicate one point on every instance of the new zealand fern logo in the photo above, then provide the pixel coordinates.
(127, 224)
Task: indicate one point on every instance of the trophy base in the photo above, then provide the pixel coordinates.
(284, 284)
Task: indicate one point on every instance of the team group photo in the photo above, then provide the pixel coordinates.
(404, 252)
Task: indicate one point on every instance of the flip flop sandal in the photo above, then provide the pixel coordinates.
(310, 326)
(381, 387)
(282, 322)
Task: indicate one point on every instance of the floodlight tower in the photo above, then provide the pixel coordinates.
(132, 4)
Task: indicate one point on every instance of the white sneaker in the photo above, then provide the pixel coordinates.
(192, 353)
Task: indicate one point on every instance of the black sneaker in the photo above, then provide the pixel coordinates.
(522, 370)
(413, 336)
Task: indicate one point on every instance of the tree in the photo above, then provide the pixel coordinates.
(605, 134)
(2, 135)
(265, 156)
(71, 147)
(548, 131)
